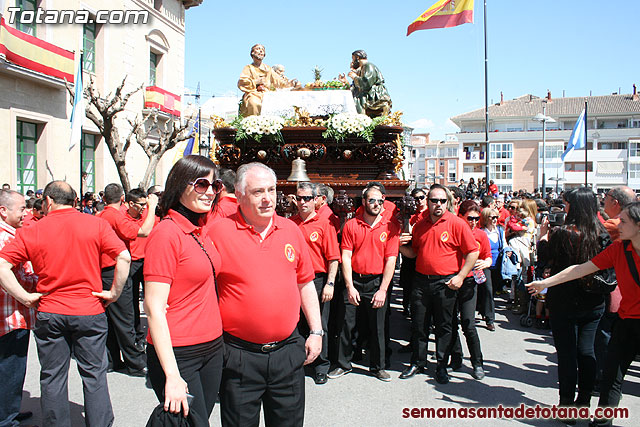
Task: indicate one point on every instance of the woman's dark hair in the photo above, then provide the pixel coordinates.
(466, 206)
(186, 170)
(633, 210)
(582, 217)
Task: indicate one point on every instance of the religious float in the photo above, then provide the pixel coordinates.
(314, 133)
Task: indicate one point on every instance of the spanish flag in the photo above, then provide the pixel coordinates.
(444, 14)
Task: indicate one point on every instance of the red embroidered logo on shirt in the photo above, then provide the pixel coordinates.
(383, 236)
(289, 252)
(314, 236)
(444, 236)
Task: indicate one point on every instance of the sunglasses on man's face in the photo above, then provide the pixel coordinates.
(374, 201)
(421, 197)
(473, 218)
(438, 201)
(201, 185)
(305, 199)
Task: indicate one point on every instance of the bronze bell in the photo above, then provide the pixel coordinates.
(298, 171)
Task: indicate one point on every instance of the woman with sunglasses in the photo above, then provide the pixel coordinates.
(467, 294)
(185, 348)
(495, 233)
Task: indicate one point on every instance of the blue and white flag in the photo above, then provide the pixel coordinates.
(577, 136)
(78, 112)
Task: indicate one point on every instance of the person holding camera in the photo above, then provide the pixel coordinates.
(575, 312)
(624, 257)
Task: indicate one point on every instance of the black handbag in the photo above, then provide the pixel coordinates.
(603, 281)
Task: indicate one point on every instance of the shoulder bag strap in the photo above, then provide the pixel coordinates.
(632, 265)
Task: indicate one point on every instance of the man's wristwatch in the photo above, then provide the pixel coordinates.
(319, 332)
(330, 284)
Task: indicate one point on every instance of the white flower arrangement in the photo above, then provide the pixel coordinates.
(342, 125)
(256, 127)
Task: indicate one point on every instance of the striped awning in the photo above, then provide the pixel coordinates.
(35, 54)
(165, 101)
(610, 168)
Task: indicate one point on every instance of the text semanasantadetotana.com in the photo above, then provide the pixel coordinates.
(518, 412)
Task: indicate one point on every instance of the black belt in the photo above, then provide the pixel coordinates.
(253, 347)
(365, 276)
(435, 276)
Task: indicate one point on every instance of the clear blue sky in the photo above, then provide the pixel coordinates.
(572, 45)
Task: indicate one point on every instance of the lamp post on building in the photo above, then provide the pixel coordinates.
(557, 180)
(542, 117)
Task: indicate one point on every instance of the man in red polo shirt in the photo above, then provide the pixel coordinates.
(135, 211)
(227, 202)
(445, 253)
(266, 276)
(369, 253)
(325, 256)
(64, 249)
(323, 200)
(122, 334)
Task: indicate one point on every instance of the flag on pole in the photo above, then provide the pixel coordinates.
(193, 145)
(577, 139)
(78, 112)
(444, 14)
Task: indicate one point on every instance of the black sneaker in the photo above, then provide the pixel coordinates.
(441, 376)
(478, 373)
(320, 378)
(382, 375)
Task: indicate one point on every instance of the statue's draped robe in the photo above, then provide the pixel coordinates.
(250, 78)
(369, 93)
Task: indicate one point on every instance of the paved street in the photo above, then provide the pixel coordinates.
(519, 362)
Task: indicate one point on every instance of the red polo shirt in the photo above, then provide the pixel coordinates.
(125, 230)
(258, 280)
(418, 216)
(226, 207)
(613, 256)
(175, 258)
(64, 249)
(322, 241)
(28, 222)
(502, 219)
(138, 245)
(371, 246)
(326, 212)
(441, 247)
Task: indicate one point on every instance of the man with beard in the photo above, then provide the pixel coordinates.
(445, 253)
(256, 79)
(369, 91)
(369, 252)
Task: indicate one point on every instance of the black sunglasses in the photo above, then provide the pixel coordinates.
(473, 218)
(305, 198)
(374, 201)
(493, 217)
(436, 201)
(201, 185)
(422, 197)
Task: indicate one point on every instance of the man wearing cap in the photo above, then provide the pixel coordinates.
(261, 293)
(325, 255)
(70, 301)
(369, 253)
(16, 320)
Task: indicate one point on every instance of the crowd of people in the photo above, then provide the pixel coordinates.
(313, 289)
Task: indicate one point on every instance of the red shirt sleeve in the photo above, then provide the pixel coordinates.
(606, 258)
(347, 236)
(393, 243)
(304, 271)
(110, 243)
(125, 229)
(15, 251)
(330, 243)
(467, 241)
(161, 256)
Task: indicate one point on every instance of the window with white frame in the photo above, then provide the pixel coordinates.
(431, 167)
(500, 171)
(634, 170)
(634, 148)
(501, 151)
(451, 171)
(431, 152)
(552, 151)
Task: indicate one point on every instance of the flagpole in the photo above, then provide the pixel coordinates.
(486, 101)
(585, 143)
(81, 195)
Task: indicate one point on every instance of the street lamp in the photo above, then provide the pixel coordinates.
(557, 180)
(542, 117)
